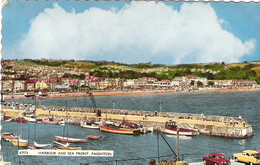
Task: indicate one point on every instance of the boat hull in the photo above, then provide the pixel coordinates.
(42, 146)
(92, 126)
(67, 148)
(50, 122)
(181, 132)
(120, 130)
(94, 137)
(20, 142)
(70, 140)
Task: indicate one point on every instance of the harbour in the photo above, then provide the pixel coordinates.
(192, 149)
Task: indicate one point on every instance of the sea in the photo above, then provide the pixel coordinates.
(140, 149)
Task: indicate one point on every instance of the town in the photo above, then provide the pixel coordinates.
(19, 76)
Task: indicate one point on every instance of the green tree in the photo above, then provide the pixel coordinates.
(210, 83)
(192, 82)
(199, 84)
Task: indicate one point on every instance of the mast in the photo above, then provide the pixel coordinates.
(177, 143)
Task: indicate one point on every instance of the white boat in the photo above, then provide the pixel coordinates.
(91, 125)
(42, 146)
(146, 129)
(180, 137)
(30, 119)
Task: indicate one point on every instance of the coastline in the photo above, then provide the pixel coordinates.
(115, 93)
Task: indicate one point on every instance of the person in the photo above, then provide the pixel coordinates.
(155, 113)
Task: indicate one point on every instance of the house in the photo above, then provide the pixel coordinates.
(19, 85)
(30, 84)
(7, 85)
(244, 83)
(40, 84)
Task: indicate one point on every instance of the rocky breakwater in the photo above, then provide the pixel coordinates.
(231, 127)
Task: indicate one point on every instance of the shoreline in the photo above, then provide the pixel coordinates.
(116, 93)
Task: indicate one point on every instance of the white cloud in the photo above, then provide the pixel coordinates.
(139, 32)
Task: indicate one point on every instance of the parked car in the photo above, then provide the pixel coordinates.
(216, 159)
(248, 156)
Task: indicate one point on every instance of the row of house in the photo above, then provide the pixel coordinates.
(56, 84)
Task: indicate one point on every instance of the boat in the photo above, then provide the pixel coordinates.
(8, 136)
(31, 94)
(135, 125)
(21, 120)
(42, 146)
(70, 140)
(50, 121)
(43, 93)
(94, 137)
(113, 128)
(88, 124)
(171, 128)
(6, 117)
(30, 119)
(60, 146)
(20, 142)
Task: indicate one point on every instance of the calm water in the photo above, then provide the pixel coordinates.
(245, 104)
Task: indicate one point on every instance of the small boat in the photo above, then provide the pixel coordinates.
(30, 119)
(94, 137)
(20, 142)
(180, 137)
(146, 129)
(113, 128)
(6, 117)
(171, 128)
(31, 94)
(91, 125)
(42, 146)
(70, 140)
(50, 121)
(21, 120)
(31, 148)
(60, 146)
(66, 148)
(11, 120)
(8, 136)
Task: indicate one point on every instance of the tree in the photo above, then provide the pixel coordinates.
(211, 83)
(192, 82)
(199, 84)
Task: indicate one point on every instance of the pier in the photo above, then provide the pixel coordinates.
(222, 126)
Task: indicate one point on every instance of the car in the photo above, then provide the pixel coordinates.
(216, 159)
(248, 156)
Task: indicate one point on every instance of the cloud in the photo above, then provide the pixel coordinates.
(139, 32)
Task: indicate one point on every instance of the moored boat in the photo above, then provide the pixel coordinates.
(70, 140)
(29, 94)
(94, 137)
(88, 124)
(42, 146)
(171, 128)
(49, 121)
(112, 128)
(6, 117)
(21, 120)
(8, 136)
(60, 146)
(66, 148)
(20, 142)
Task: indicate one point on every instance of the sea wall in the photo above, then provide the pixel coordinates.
(222, 126)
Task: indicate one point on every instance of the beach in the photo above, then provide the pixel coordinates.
(129, 92)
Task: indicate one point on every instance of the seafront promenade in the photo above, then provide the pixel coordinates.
(222, 126)
(126, 92)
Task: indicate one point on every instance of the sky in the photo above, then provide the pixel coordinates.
(131, 32)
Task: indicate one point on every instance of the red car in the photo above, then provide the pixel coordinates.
(216, 159)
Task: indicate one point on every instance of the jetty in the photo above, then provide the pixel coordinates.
(221, 126)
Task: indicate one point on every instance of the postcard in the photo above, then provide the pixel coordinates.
(130, 82)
